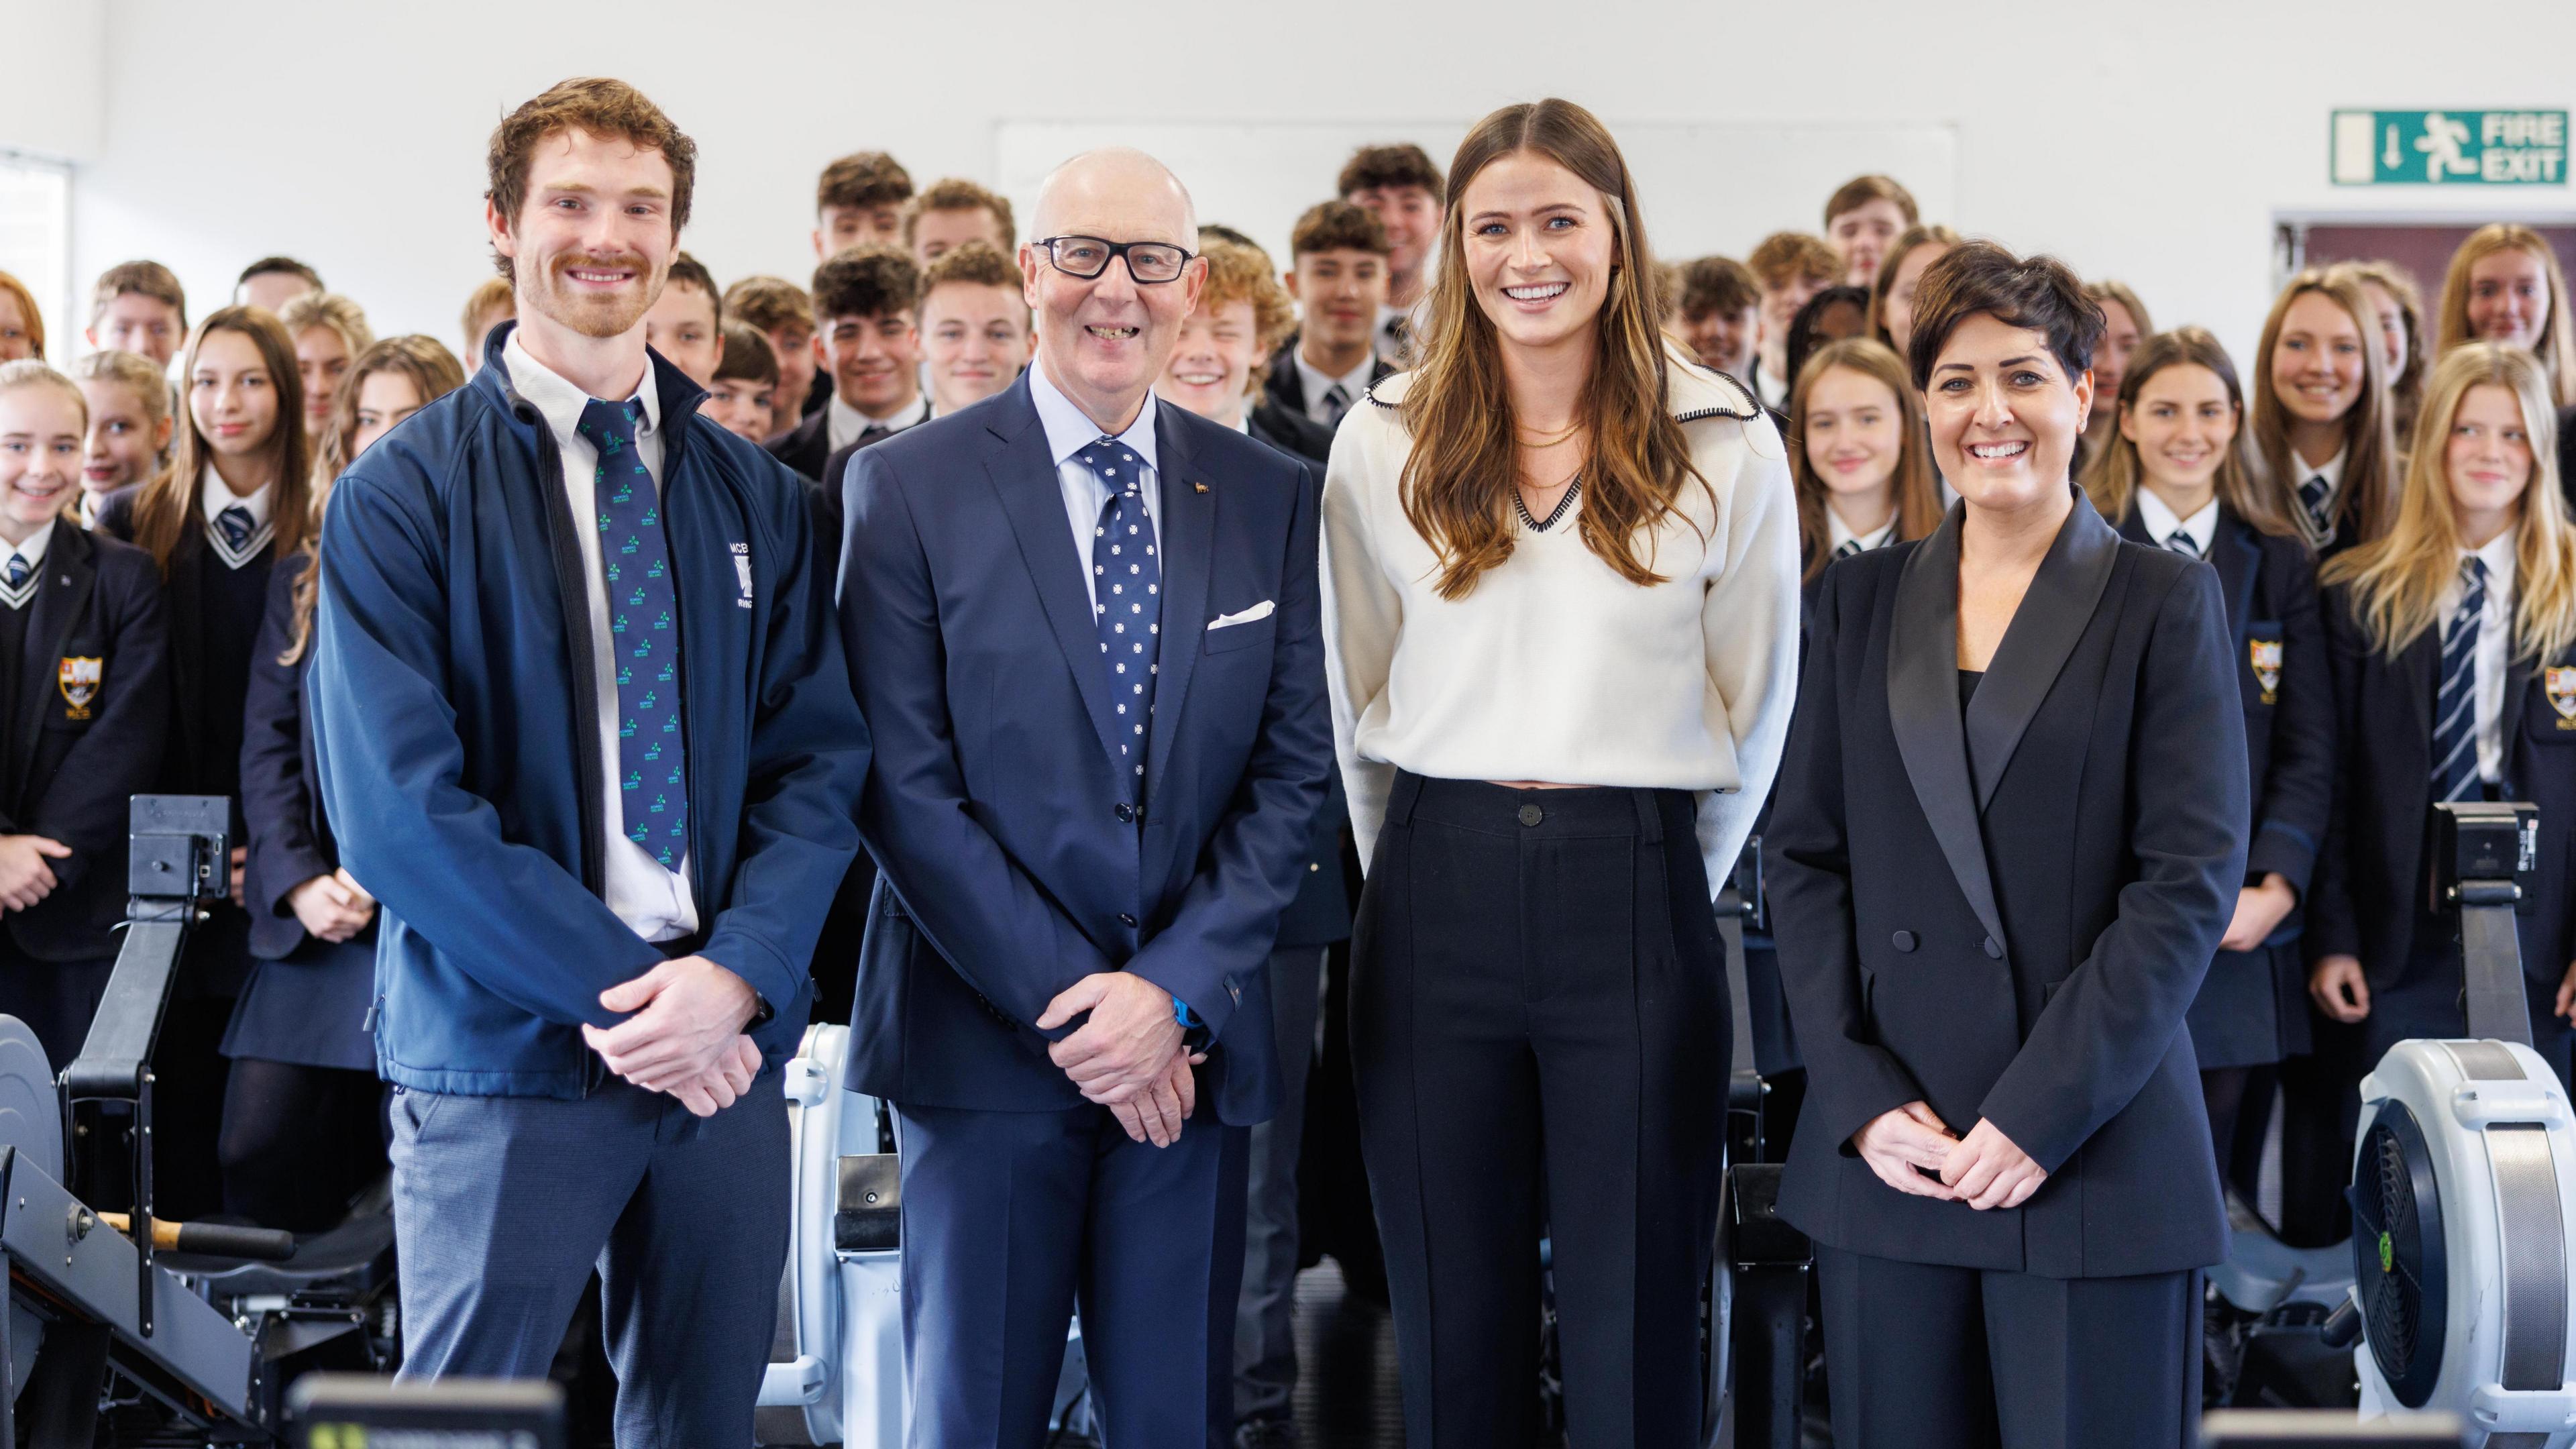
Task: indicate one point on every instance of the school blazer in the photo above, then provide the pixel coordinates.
(806, 447)
(2006, 915)
(2372, 883)
(93, 715)
(290, 840)
(186, 759)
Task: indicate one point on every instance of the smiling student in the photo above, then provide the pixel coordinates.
(738, 395)
(952, 211)
(2321, 425)
(1792, 267)
(1862, 219)
(1718, 315)
(1340, 273)
(1862, 462)
(2400, 306)
(1399, 185)
(866, 299)
(2124, 325)
(2178, 474)
(1218, 363)
(1891, 295)
(84, 704)
(2505, 285)
(329, 334)
(975, 327)
(859, 202)
(686, 323)
(785, 315)
(129, 425)
(22, 327)
(138, 307)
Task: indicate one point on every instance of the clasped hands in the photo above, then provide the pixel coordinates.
(1984, 1169)
(1130, 1056)
(685, 1036)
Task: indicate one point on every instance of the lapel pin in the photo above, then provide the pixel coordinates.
(1202, 487)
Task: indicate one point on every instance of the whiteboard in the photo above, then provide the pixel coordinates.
(1704, 187)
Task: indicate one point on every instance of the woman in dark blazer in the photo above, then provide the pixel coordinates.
(2176, 473)
(2011, 828)
(2428, 715)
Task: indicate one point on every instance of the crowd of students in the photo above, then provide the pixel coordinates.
(2380, 491)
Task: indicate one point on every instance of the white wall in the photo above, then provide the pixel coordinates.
(53, 103)
(2149, 142)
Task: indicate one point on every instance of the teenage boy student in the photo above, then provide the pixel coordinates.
(1792, 266)
(780, 311)
(738, 395)
(1401, 186)
(975, 329)
(865, 299)
(686, 323)
(1719, 314)
(596, 918)
(272, 282)
(1338, 272)
(859, 200)
(1862, 217)
(139, 307)
(954, 210)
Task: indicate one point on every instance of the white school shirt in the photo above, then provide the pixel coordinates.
(2161, 523)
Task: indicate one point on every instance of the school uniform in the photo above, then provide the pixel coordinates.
(1294, 388)
(809, 446)
(216, 588)
(2316, 504)
(84, 710)
(2002, 906)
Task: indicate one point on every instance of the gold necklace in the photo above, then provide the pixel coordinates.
(1550, 440)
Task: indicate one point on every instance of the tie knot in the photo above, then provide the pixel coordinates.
(608, 425)
(1116, 464)
(235, 522)
(2473, 572)
(2181, 541)
(19, 569)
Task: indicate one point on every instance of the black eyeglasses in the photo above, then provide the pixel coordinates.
(1150, 263)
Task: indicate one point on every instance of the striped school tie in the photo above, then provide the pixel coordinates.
(2316, 498)
(2455, 708)
(2180, 541)
(1847, 548)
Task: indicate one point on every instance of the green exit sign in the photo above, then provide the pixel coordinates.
(2450, 148)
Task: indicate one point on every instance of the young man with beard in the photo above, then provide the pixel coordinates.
(587, 735)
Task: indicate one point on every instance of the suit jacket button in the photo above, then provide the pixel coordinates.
(1125, 919)
(1903, 940)
(1125, 812)
(1531, 815)
(1994, 948)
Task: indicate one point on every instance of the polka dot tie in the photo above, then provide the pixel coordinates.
(1127, 597)
(644, 627)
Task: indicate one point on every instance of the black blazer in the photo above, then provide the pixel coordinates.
(1285, 390)
(74, 765)
(2091, 811)
(823, 491)
(187, 758)
(290, 840)
(2371, 882)
(1291, 432)
(807, 446)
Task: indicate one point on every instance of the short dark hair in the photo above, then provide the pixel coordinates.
(1860, 191)
(287, 265)
(144, 278)
(1401, 164)
(873, 280)
(1794, 256)
(956, 193)
(863, 178)
(1718, 284)
(602, 107)
(747, 356)
(973, 261)
(1977, 278)
(1334, 226)
(770, 303)
(688, 271)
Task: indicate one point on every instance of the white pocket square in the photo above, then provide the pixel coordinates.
(1253, 615)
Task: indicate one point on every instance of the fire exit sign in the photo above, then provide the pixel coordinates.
(2450, 148)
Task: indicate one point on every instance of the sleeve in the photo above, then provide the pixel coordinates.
(1852, 1081)
(1251, 865)
(2116, 1015)
(809, 752)
(120, 757)
(1363, 617)
(1750, 623)
(983, 914)
(277, 802)
(506, 915)
(2298, 789)
(2332, 924)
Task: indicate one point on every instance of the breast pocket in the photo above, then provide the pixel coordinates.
(1240, 636)
(2261, 643)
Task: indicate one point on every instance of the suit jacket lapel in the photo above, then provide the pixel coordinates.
(53, 617)
(1188, 507)
(2053, 615)
(2239, 558)
(1923, 708)
(1023, 474)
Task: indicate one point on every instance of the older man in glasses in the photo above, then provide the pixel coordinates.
(1091, 629)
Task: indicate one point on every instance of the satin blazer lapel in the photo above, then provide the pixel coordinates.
(2053, 616)
(1923, 707)
(1188, 503)
(1024, 477)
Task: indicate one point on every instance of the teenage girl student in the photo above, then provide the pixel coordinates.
(1829, 316)
(83, 707)
(2178, 474)
(2400, 306)
(300, 1133)
(22, 327)
(2321, 425)
(1891, 297)
(2451, 639)
(1862, 464)
(2124, 325)
(2505, 285)
(329, 332)
(129, 424)
(234, 500)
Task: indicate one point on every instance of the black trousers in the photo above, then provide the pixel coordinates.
(1540, 1031)
(1926, 1357)
(299, 1142)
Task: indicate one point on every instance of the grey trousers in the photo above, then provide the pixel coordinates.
(504, 1205)
(1265, 1343)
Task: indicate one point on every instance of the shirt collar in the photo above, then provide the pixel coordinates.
(2497, 555)
(33, 550)
(1354, 384)
(560, 402)
(2330, 470)
(2161, 523)
(1069, 430)
(214, 497)
(858, 422)
(1840, 532)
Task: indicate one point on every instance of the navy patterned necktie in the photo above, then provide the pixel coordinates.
(2315, 497)
(2455, 708)
(1337, 401)
(1127, 596)
(235, 525)
(2181, 542)
(644, 626)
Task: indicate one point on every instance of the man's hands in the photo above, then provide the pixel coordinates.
(1156, 1113)
(1987, 1171)
(685, 1037)
(332, 907)
(2340, 990)
(2260, 909)
(2566, 1006)
(1984, 1169)
(1128, 1057)
(25, 878)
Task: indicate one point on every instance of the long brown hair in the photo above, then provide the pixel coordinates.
(2367, 493)
(2406, 388)
(2113, 480)
(434, 373)
(168, 502)
(2556, 345)
(1461, 478)
(2399, 578)
(1906, 241)
(1917, 498)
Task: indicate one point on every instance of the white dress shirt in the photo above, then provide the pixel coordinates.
(32, 549)
(2495, 645)
(1354, 385)
(842, 423)
(1068, 431)
(652, 899)
(1839, 533)
(2330, 470)
(214, 496)
(2161, 523)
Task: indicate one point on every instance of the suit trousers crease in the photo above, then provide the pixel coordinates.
(1541, 1037)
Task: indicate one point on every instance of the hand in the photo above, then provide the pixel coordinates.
(1126, 1046)
(1895, 1143)
(688, 1015)
(2566, 1006)
(2339, 988)
(25, 878)
(329, 909)
(241, 854)
(349, 883)
(1156, 1113)
(724, 1083)
(2260, 909)
(1987, 1171)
